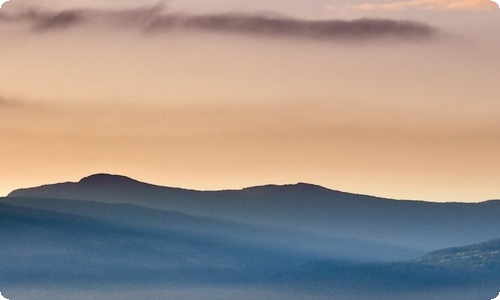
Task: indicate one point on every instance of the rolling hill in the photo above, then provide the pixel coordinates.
(305, 208)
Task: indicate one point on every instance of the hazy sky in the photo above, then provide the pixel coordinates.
(391, 98)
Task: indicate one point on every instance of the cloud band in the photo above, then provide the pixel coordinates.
(154, 20)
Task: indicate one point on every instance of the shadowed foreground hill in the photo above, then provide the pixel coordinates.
(484, 257)
(302, 207)
(469, 267)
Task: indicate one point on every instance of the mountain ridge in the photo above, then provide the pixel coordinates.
(116, 179)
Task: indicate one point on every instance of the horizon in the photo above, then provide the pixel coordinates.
(392, 98)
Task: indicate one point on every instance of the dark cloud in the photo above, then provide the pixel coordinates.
(283, 27)
(44, 20)
(61, 20)
(155, 20)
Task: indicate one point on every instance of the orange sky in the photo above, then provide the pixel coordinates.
(399, 116)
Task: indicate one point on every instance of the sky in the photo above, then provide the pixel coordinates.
(398, 99)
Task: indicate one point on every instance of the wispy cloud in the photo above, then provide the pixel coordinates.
(156, 20)
(4, 102)
(10, 104)
(431, 4)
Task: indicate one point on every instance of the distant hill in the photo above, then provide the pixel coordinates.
(306, 208)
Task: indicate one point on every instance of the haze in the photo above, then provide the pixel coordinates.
(218, 94)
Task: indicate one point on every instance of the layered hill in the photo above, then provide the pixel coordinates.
(42, 247)
(141, 218)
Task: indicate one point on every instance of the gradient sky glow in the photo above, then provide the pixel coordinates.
(226, 94)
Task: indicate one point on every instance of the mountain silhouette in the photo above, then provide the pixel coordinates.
(306, 208)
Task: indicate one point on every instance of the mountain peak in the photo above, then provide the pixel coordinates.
(106, 179)
(309, 186)
(295, 189)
